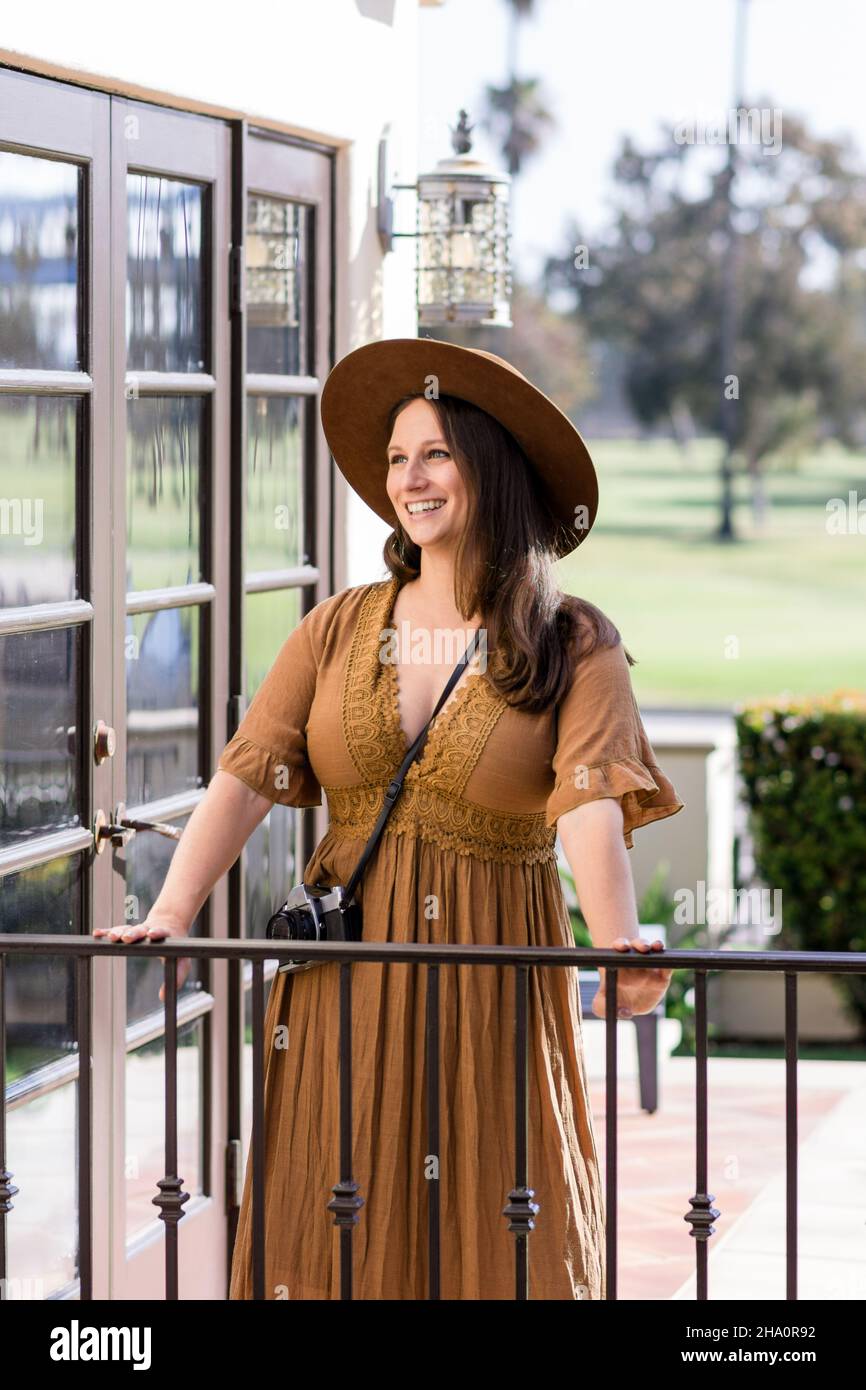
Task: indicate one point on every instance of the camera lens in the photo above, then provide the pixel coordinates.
(304, 926)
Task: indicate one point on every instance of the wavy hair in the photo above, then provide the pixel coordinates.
(504, 562)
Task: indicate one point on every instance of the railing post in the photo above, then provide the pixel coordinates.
(7, 1187)
(345, 1203)
(610, 1118)
(83, 982)
(791, 1133)
(433, 1136)
(258, 1134)
(171, 1194)
(521, 1210)
(703, 1213)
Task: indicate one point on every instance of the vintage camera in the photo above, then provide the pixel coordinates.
(314, 913)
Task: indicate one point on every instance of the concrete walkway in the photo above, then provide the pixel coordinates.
(746, 1166)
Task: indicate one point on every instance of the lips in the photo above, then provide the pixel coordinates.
(427, 511)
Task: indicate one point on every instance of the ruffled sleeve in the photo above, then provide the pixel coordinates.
(602, 747)
(269, 750)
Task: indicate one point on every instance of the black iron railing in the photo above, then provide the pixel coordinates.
(520, 1210)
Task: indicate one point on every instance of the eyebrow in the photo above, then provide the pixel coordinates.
(424, 443)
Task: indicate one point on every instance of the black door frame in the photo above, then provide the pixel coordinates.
(46, 116)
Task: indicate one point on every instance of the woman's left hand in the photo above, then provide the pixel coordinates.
(637, 991)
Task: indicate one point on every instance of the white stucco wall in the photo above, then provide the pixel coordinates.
(340, 71)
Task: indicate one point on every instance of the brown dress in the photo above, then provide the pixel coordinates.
(468, 855)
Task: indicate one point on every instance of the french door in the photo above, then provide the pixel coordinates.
(165, 510)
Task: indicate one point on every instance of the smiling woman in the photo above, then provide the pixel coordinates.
(423, 477)
(548, 731)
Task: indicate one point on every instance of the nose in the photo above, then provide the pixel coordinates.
(414, 475)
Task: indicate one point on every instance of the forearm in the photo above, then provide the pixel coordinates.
(214, 836)
(593, 842)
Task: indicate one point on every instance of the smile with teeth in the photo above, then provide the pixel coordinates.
(416, 508)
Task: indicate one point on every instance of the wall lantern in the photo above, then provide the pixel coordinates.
(272, 260)
(463, 275)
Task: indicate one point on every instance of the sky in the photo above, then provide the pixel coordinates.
(619, 67)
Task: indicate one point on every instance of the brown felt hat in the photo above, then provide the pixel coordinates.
(364, 385)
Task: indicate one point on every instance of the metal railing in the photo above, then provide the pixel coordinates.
(346, 1202)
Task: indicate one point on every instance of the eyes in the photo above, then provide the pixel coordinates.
(444, 452)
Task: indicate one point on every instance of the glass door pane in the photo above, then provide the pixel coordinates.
(165, 286)
(285, 525)
(40, 210)
(54, 639)
(171, 185)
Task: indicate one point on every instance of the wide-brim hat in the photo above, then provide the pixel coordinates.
(363, 386)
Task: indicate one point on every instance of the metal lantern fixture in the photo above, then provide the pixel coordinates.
(272, 255)
(462, 237)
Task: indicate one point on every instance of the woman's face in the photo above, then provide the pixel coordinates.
(421, 470)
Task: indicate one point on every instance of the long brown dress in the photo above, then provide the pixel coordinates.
(468, 855)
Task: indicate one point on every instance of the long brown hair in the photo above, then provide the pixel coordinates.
(504, 562)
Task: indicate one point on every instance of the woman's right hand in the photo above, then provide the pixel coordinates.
(156, 927)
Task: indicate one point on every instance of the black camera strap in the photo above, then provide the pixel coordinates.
(395, 786)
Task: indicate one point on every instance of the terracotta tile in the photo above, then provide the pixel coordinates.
(656, 1159)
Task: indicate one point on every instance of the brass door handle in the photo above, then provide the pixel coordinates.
(104, 741)
(119, 830)
(161, 827)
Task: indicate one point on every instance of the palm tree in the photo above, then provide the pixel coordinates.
(516, 114)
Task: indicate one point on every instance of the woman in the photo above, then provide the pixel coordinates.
(545, 738)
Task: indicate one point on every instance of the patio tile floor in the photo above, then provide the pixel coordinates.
(746, 1166)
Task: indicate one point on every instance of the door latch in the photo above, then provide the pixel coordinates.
(120, 830)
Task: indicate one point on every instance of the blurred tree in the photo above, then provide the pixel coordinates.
(515, 115)
(541, 344)
(552, 352)
(654, 284)
(516, 119)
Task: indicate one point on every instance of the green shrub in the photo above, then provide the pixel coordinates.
(803, 763)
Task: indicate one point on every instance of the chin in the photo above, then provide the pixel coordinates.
(427, 537)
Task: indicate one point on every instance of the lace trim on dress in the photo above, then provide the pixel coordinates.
(426, 813)
(371, 711)
(430, 806)
(370, 738)
(467, 718)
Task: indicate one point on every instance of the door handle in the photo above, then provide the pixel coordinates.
(119, 830)
(161, 827)
(104, 741)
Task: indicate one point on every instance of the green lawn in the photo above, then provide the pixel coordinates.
(711, 624)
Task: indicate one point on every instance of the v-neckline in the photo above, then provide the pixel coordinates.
(466, 682)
